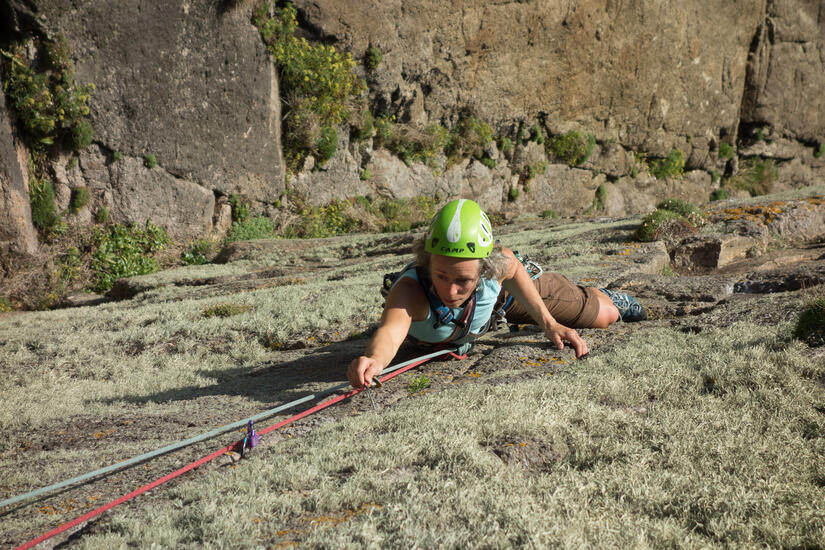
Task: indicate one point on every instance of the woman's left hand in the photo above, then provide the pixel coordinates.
(558, 333)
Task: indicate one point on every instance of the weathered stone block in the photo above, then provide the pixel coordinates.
(189, 82)
(712, 251)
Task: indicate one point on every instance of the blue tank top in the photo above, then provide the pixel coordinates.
(486, 301)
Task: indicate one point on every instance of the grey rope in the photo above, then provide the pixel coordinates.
(208, 435)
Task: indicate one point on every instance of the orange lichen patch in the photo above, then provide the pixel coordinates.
(100, 435)
(764, 213)
(474, 374)
(533, 363)
(342, 516)
(64, 506)
(558, 361)
(816, 201)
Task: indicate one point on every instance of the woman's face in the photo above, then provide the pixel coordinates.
(454, 279)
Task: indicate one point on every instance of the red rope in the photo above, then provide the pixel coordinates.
(204, 460)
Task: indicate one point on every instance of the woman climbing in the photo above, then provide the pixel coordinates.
(460, 279)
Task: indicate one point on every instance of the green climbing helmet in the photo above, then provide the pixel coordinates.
(461, 229)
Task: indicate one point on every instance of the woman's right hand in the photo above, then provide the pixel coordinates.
(362, 371)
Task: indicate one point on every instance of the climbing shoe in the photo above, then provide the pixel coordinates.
(630, 310)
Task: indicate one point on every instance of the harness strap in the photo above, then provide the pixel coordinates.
(444, 315)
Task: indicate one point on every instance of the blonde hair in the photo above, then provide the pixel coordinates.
(495, 266)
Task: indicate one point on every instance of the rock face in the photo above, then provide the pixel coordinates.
(16, 230)
(789, 54)
(639, 76)
(648, 74)
(188, 82)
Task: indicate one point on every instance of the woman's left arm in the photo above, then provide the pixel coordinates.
(518, 283)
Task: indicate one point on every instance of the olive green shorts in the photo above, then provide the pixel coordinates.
(572, 305)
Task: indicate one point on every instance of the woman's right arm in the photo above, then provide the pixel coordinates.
(406, 302)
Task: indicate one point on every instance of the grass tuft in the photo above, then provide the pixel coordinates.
(225, 310)
(684, 208)
(418, 384)
(810, 326)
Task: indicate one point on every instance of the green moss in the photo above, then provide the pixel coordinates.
(150, 161)
(80, 198)
(534, 170)
(117, 156)
(5, 305)
(725, 151)
(671, 167)
(513, 194)
(820, 151)
(366, 174)
(552, 214)
(810, 326)
(573, 147)
(536, 134)
(366, 128)
(488, 162)
(372, 58)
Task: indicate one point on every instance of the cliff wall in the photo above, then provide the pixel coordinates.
(191, 84)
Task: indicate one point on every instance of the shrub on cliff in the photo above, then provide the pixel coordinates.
(258, 227)
(409, 143)
(573, 147)
(43, 94)
(124, 251)
(319, 78)
(41, 197)
(756, 176)
(673, 166)
(469, 138)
